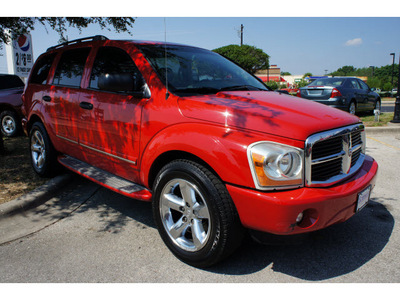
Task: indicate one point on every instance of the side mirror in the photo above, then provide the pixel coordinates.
(124, 83)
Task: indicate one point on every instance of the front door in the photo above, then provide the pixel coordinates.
(109, 124)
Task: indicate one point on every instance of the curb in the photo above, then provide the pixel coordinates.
(386, 130)
(34, 198)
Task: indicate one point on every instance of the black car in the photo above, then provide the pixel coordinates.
(346, 93)
(11, 88)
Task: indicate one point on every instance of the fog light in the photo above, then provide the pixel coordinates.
(299, 218)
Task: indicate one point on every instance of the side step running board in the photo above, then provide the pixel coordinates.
(106, 179)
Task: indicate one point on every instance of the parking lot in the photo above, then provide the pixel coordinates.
(94, 235)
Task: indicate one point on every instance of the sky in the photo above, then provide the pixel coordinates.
(317, 42)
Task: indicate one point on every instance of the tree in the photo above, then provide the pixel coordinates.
(307, 75)
(18, 26)
(344, 71)
(285, 73)
(250, 58)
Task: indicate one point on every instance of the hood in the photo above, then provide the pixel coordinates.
(267, 112)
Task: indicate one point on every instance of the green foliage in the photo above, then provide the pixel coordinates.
(248, 57)
(374, 82)
(18, 26)
(307, 75)
(285, 74)
(344, 71)
(272, 85)
(387, 86)
(301, 83)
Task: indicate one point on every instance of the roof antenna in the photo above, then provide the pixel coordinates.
(166, 66)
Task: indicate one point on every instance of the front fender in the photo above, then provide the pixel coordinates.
(223, 149)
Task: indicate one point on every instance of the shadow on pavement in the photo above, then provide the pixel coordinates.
(328, 253)
(321, 255)
(325, 254)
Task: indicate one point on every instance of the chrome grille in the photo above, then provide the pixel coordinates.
(334, 155)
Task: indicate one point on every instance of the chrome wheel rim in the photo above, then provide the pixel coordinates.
(38, 149)
(378, 105)
(185, 215)
(8, 124)
(352, 109)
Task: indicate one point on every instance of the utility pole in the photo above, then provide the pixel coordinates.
(241, 35)
(396, 116)
(392, 54)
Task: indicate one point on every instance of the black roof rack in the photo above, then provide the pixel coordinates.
(86, 39)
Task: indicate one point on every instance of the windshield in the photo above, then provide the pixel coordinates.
(327, 82)
(190, 70)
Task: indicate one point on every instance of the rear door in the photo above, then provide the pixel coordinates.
(357, 92)
(109, 122)
(368, 96)
(62, 98)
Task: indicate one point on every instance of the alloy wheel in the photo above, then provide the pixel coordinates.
(38, 149)
(185, 215)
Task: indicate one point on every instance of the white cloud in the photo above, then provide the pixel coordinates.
(354, 42)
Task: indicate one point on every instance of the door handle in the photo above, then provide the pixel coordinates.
(86, 105)
(46, 98)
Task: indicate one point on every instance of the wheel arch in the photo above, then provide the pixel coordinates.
(32, 120)
(170, 156)
(202, 143)
(6, 106)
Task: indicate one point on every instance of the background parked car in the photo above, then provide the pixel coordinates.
(346, 93)
(11, 88)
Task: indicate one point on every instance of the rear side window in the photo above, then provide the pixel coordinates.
(110, 60)
(70, 68)
(354, 84)
(363, 85)
(10, 82)
(41, 69)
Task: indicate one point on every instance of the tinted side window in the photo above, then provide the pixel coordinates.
(364, 86)
(41, 69)
(70, 68)
(111, 60)
(354, 84)
(10, 82)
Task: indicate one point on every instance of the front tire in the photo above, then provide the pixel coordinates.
(194, 214)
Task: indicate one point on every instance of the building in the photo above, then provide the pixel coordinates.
(271, 74)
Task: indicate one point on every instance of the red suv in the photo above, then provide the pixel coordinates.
(205, 141)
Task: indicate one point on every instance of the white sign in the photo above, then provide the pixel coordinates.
(22, 55)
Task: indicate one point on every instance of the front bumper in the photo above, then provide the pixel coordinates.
(276, 212)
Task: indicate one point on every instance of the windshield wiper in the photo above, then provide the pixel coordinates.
(241, 88)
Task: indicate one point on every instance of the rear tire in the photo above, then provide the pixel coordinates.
(195, 214)
(352, 108)
(43, 154)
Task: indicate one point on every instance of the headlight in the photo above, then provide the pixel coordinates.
(275, 166)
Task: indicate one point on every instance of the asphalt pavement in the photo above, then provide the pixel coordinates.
(81, 232)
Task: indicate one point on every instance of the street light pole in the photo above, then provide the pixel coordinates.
(396, 117)
(241, 35)
(392, 66)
